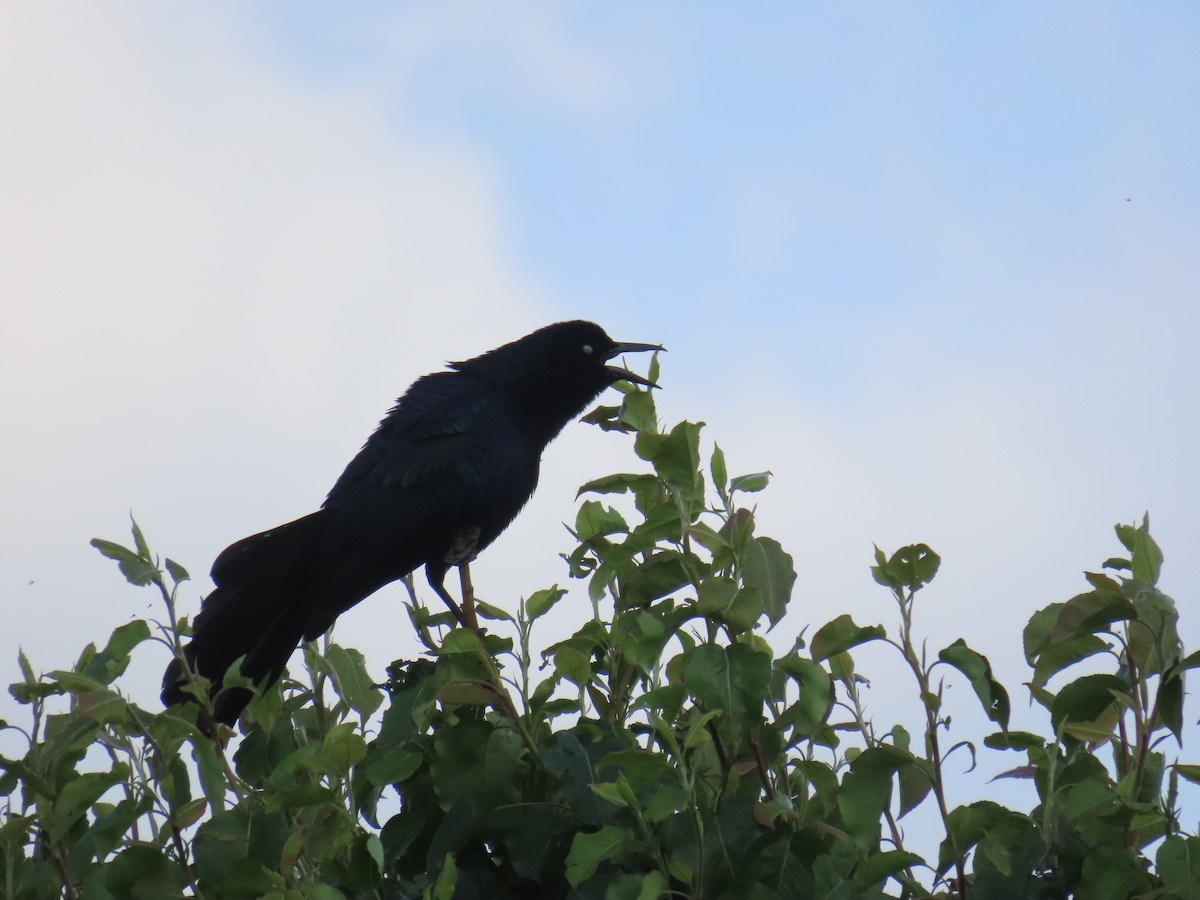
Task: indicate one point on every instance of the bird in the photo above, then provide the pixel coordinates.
(444, 473)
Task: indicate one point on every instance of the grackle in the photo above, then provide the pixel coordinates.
(446, 471)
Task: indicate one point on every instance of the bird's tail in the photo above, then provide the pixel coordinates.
(257, 613)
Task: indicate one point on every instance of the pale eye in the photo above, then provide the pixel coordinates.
(587, 348)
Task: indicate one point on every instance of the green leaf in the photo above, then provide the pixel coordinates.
(877, 867)
(915, 785)
(607, 418)
(665, 802)
(447, 881)
(720, 599)
(658, 576)
(910, 567)
(125, 637)
(654, 885)
(1089, 613)
(1170, 703)
(978, 670)
(1178, 862)
(769, 569)
(1154, 643)
(1086, 699)
(594, 518)
(75, 684)
(675, 456)
(143, 870)
(731, 680)
(810, 712)
(495, 613)
(840, 635)
(750, 484)
(352, 682)
(236, 852)
(1188, 771)
(113, 822)
(738, 529)
(1113, 875)
(107, 665)
(467, 692)
(541, 602)
(461, 641)
(139, 539)
(818, 781)
(706, 537)
(1102, 582)
(667, 699)
(1088, 800)
(637, 411)
(720, 474)
(344, 746)
(25, 666)
(392, 767)
(1146, 563)
(1014, 740)
(77, 797)
(573, 660)
(473, 760)
(866, 792)
(190, 813)
(32, 781)
(375, 851)
(177, 572)
(611, 792)
(662, 525)
(299, 796)
(697, 734)
(316, 891)
(618, 484)
(589, 850)
(1191, 661)
(967, 826)
(137, 571)
(106, 707)
(639, 768)
(211, 771)
(1049, 658)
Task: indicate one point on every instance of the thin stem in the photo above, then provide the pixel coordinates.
(764, 770)
(468, 597)
(932, 722)
(864, 727)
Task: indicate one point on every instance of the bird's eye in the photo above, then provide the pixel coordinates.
(587, 348)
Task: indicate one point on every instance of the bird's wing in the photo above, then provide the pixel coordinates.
(402, 500)
(424, 437)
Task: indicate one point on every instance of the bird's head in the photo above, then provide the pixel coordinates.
(565, 365)
(583, 350)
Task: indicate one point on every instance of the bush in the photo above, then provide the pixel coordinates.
(663, 750)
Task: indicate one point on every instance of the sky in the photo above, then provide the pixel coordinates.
(933, 265)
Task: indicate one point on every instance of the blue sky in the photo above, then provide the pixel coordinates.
(934, 266)
(825, 170)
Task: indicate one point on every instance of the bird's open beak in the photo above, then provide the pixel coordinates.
(625, 374)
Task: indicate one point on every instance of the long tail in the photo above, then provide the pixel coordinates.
(258, 612)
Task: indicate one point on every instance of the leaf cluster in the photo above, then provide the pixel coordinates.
(666, 748)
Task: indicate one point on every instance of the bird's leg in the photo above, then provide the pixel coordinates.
(468, 596)
(460, 554)
(435, 577)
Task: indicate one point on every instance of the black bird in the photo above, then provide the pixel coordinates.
(446, 471)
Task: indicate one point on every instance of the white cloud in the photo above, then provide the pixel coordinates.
(214, 284)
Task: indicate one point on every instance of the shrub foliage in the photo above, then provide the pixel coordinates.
(665, 749)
